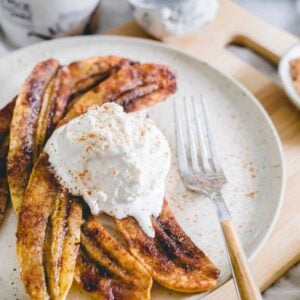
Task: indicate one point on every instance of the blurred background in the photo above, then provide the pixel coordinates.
(281, 13)
(284, 14)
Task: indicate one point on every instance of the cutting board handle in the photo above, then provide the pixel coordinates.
(234, 25)
(250, 31)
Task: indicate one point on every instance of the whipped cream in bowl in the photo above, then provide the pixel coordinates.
(117, 162)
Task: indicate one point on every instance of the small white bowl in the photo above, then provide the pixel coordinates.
(285, 74)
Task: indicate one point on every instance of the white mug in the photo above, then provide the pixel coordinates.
(28, 21)
(164, 18)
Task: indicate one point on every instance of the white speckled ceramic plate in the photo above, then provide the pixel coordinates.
(247, 141)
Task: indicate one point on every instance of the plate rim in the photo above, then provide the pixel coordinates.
(230, 78)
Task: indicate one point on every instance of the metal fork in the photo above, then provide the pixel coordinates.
(201, 172)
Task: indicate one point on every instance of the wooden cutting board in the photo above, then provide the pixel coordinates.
(233, 24)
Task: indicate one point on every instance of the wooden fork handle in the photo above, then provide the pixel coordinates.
(246, 285)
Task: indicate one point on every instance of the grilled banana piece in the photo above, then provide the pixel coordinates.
(88, 72)
(171, 257)
(21, 146)
(125, 82)
(70, 249)
(53, 106)
(62, 244)
(33, 220)
(48, 234)
(105, 269)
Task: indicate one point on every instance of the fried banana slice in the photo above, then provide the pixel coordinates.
(4, 192)
(105, 269)
(45, 239)
(33, 220)
(21, 147)
(171, 257)
(53, 106)
(70, 249)
(128, 80)
(6, 114)
(62, 244)
(88, 72)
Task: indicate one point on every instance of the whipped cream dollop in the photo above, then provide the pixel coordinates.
(117, 162)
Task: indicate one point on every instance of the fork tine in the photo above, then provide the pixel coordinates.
(193, 150)
(210, 139)
(201, 137)
(182, 158)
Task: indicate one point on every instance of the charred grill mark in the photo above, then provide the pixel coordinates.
(187, 253)
(46, 252)
(101, 271)
(128, 97)
(178, 241)
(177, 251)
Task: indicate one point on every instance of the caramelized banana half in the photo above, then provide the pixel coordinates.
(23, 124)
(105, 269)
(171, 257)
(88, 72)
(53, 106)
(48, 235)
(134, 87)
(62, 242)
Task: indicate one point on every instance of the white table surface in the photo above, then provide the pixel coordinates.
(281, 13)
